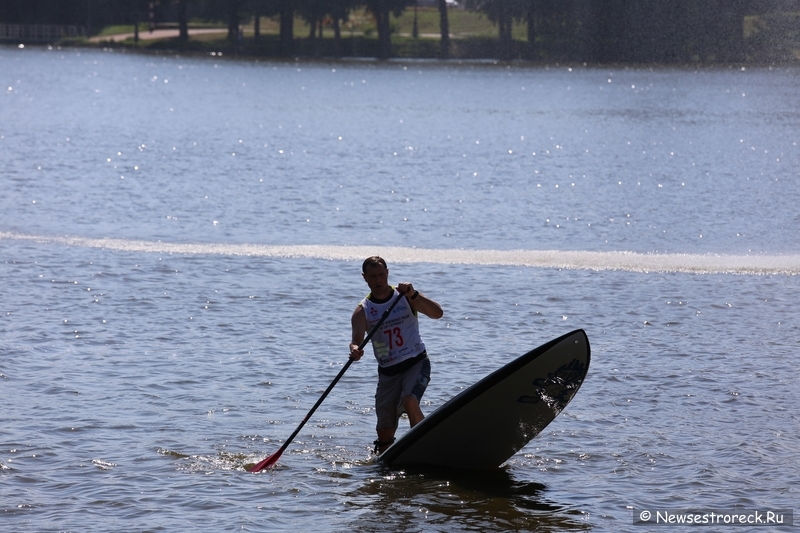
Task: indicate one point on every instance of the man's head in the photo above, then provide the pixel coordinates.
(376, 274)
(373, 261)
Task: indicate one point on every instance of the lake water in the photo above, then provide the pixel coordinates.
(180, 250)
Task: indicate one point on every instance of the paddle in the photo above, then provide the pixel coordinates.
(272, 459)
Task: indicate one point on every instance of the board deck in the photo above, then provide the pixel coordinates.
(486, 424)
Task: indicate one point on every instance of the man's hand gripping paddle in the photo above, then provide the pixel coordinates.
(272, 459)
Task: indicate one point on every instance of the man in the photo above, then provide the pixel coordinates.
(403, 366)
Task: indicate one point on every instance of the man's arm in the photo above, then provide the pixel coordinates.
(419, 302)
(359, 323)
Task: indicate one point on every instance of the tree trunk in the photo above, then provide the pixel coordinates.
(286, 40)
(730, 45)
(233, 21)
(337, 36)
(384, 30)
(183, 24)
(530, 19)
(504, 26)
(415, 29)
(136, 16)
(444, 26)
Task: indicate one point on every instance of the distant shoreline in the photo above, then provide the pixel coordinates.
(352, 44)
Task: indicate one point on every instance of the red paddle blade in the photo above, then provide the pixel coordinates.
(269, 461)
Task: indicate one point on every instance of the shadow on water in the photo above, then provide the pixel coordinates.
(427, 499)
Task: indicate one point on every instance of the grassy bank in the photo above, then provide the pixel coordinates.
(472, 35)
(462, 24)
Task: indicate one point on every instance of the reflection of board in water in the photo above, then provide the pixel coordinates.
(483, 426)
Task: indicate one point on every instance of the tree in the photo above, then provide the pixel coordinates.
(183, 23)
(382, 9)
(285, 10)
(286, 39)
(339, 10)
(725, 25)
(503, 13)
(667, 31)
(313, 12)
(444, 27)
(231, 11)
(234, 16)
(530, 23)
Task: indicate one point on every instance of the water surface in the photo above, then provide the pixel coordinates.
(180, 245)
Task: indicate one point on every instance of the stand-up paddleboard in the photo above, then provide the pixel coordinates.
(484, 425)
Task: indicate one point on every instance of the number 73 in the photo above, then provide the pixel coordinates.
(395, 337)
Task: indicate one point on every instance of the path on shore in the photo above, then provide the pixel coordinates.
(147, 35)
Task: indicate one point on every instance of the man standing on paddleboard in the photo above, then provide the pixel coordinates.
(403, 366)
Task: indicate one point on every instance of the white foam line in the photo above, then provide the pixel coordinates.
(583, 260)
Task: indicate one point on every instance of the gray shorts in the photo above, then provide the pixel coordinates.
(392, 389)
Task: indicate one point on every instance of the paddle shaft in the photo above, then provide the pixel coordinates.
(274, 457)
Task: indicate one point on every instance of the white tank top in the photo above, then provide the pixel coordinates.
(398, 337)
